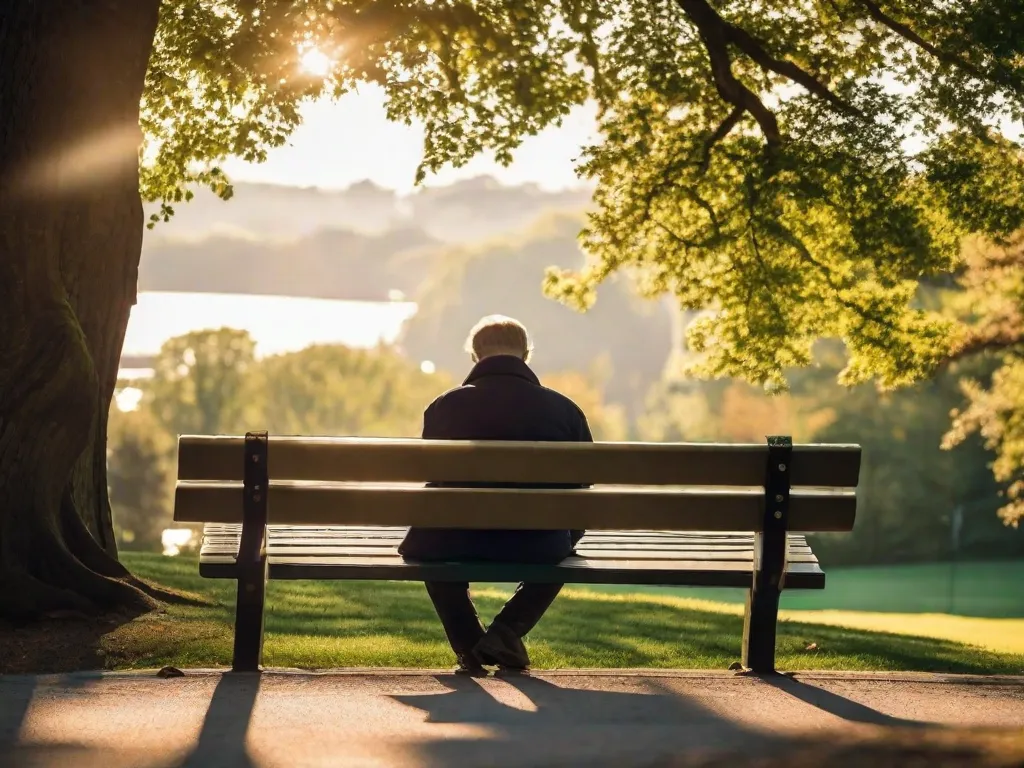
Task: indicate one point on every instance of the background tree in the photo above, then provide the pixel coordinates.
(794, 167)
(608, 421)
(140, 475)
(203, 384)
(329, 389)
(992, 303)
(910, 488)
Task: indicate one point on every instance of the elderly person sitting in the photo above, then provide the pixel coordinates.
(501, 399)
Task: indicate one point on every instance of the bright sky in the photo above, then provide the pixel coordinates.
(343, 142)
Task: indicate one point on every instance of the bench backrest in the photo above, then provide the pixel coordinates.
(636, 486)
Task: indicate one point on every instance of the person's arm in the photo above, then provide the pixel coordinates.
(431, 427)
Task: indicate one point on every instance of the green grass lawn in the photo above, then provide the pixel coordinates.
(986, 589)
(375, 624)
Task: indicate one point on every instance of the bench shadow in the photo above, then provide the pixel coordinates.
(16, 694)
(531, 721)
(539, 723)
(837, 705)
(222, 738)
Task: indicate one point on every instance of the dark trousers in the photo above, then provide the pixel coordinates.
(462, 624)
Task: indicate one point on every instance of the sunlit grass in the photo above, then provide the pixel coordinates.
(989, 589)
(391, 624)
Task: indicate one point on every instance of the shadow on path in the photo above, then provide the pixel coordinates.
(222, 738)
(17, 693)
(836, 705)
(531, 721)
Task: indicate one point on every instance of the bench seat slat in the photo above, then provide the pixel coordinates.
(598, 508)
(286, 548)
(570, 571)
(669, 560)
(585, 552)
(399, 531)
(592, 540)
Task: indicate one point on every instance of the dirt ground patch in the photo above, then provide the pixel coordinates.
(77, 643)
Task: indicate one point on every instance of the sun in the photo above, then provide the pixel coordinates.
(316, 62)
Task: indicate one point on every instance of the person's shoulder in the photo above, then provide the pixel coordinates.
(446, 397)
(566, 402)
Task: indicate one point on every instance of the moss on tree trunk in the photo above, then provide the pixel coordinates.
(71, 224)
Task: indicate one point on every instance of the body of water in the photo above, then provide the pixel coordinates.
(277, 323)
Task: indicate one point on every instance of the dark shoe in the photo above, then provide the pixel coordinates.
(470, 666)
(502, 647)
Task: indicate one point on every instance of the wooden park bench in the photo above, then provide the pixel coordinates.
(657, 514)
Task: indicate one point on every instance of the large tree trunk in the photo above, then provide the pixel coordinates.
(71, 224)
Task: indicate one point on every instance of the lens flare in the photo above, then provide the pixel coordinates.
(316, 62)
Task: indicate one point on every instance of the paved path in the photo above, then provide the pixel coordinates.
(421, 719)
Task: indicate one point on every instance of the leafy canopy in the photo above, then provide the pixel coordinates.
(794, 167)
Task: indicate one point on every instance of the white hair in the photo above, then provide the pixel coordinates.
(499, 335)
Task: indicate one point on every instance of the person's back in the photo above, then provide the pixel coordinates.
(501, 399)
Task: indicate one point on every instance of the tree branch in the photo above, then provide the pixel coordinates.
(717, 34)
(712, 31)
(720, 133)
(987, 340)
(901, 29)
(756, 51)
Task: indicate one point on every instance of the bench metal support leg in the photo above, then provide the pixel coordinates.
(762, 614)
(252, 557)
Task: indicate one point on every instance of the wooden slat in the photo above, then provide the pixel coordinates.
(623, 551)
(360, 539)
(573, 570)
(216, 534)
(390, 461)
(638, 509)
(633, 555)
(343, 543)
(332, 533)
(724, 560)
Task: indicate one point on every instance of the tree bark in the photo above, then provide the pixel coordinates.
(71, 224)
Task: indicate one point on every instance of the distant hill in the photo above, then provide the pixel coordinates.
(504, 276)
(327, 264)
(358, 243)
(461, 212)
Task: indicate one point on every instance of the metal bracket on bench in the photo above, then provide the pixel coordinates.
(770, 545)
(251, 564)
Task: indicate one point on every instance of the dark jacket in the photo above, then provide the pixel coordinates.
(501, 399)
